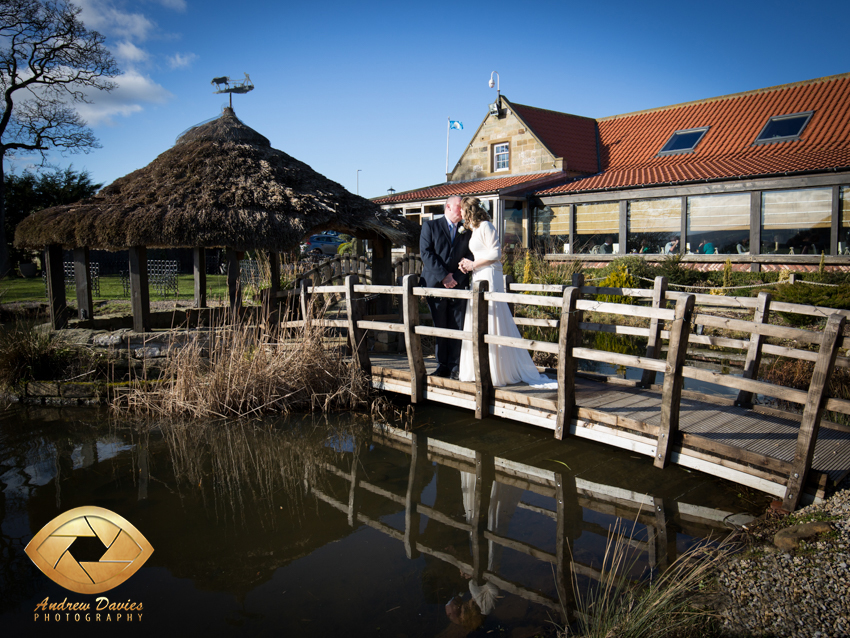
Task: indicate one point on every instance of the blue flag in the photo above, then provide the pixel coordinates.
(456, 124)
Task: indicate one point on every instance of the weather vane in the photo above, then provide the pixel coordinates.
(237, 87)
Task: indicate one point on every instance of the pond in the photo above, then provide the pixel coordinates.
(341, 526)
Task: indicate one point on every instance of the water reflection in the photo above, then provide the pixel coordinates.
(324, 527)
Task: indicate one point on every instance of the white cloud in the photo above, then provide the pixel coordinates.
(133, 92)
(107, 18)
(177, 5)
(129, 52)
(181, 60)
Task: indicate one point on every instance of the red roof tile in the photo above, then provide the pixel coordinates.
(630, 143)
(476, 187)
(569, 136)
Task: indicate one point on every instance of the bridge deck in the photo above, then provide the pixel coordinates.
(743, 445)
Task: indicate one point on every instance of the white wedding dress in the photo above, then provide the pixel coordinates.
(507, 365)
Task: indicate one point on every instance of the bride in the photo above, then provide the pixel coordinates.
(507, 365)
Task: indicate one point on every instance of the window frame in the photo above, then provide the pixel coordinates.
(495, 154)
(785, 138)
(680, 151)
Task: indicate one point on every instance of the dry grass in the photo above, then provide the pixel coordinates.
(248, 370)
(666, 606)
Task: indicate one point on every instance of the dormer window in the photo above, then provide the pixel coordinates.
(783, 128)
(683, 141)
(501, 156)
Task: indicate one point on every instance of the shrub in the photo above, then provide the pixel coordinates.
(807, 294)
(28, 354)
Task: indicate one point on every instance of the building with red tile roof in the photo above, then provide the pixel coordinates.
(761, 177)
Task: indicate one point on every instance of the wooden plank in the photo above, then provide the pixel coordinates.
(615, 329)
(813, 411)
(566, 362)
(754, 352)
(758, 387)
(653, 346)
(384, 326)
(671, 394)
(838, 405)
(431, 513)
(412, 342)
(638, 293)
(591, 414)
(380, 491)
(55, 268)
(541, 323)
(526, 300)
(370, 289)
(139, 289)
(82, 281)
(624, 309)
(526, 344)
(443, 292)
(521, 547)
(617, 359)
(199, 276)
(430, 331)
(767, 330)
(480, 350)
(356, 336)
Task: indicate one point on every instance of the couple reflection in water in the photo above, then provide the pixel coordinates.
(471, 600)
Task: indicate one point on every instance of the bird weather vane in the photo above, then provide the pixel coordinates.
(224, 86)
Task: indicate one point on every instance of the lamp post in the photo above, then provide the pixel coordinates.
(390, 191)
(358, 180)
(496, 83)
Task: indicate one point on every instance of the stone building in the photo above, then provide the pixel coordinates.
(761, 178)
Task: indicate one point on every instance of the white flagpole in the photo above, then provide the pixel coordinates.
(448, 120)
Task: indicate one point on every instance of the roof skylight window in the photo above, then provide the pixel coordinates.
(783, 128)
(683, 141)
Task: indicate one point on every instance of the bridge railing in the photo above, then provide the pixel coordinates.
(673, 325)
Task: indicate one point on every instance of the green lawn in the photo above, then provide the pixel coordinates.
(21, 289)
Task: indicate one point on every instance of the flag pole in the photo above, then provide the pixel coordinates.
(448, 122)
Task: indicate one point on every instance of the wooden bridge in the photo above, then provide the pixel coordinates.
(493, 483)
(780, 452)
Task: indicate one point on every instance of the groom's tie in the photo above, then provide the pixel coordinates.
(452, 231)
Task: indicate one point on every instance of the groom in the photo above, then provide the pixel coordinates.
(442, 247)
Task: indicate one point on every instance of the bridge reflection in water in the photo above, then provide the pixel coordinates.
(467, 522)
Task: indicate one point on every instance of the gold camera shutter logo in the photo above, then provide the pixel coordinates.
(125, 550)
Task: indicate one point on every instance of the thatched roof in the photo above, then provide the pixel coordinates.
(220, 185)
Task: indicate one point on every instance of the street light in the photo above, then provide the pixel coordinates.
(390, 191)
(358, 180)
(496, 83)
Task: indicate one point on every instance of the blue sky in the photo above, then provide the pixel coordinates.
(344, 86)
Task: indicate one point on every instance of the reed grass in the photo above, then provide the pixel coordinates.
(251, 369)
(669, 605)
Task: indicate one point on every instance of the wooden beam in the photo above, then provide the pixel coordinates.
(671, 392)
(55, 268)
(139, 289)
(754, 352)
(418, 462)
(485, 474)
(568, 336)
(234, 288)
(356, 335)
(199, 271)
(481, 351)
(813, 411)
(82, 281)
(412, 341)
(653, 346)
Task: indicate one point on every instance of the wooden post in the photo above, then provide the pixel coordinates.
(55, 269)
(412, 341)
(485, 474)
(301, 286)
(578, 282)
(671, 393)
(567, 339)
(199, 267)
(234, 289)
(356, 335)
(813, 411)
(509, 279)
(82, 281)
(418, 461)
(568, 517)
(353, 496)
(751, 365)
(653, 346)
(139, 290)
(481, 351)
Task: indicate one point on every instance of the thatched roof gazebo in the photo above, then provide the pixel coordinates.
(221, 185)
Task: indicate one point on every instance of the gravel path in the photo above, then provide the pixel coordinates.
(804, 592)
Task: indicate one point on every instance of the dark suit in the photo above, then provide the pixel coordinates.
(440, 257)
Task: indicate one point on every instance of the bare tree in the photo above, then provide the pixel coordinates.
(49, 61)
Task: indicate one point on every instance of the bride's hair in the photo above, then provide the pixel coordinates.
(472, 212)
